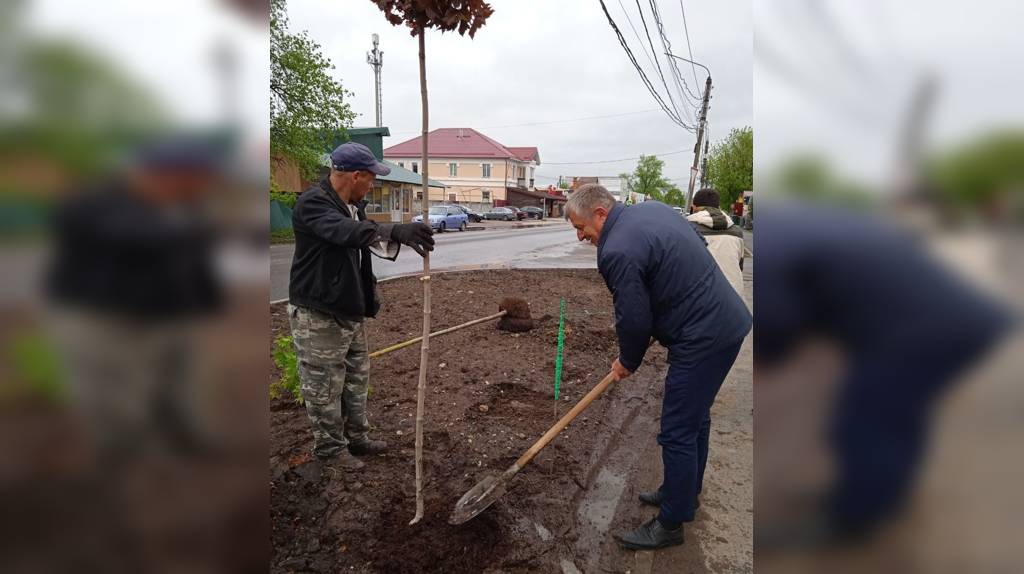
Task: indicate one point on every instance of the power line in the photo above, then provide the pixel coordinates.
(643, 76)
(674, 68)
(635, 33)
(657, 62)
(544, 123)
(639, 70)
(611, 160)
(689, 47)
(602, 176)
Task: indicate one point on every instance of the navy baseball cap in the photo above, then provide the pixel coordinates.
(354, 157)
(176, 153)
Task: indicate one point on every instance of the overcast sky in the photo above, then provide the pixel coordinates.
(168, 49)
(833, 77)
(836, 78)
(541, 61)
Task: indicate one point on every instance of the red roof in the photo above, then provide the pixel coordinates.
(459, 142)
(525, 153)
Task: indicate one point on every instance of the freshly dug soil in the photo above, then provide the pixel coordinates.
(489, 397)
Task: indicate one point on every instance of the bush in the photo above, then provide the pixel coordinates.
(284, 358)
(285, 198)
(35, 369)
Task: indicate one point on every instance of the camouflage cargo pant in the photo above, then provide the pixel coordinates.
(334, 370)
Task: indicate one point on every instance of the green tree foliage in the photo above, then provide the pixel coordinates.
(648, 180)
(811, 178)
(307, 106)
(982, 172)
(80, 110)
(731, 165)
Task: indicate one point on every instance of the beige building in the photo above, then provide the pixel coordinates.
(477, 171)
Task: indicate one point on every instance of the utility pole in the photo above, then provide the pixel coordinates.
(375, 58)
(700, 139)
(704, 166)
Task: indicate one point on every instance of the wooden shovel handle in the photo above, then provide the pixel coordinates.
(404, 344)
(565, 420)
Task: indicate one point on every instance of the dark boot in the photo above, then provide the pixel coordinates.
(367, 446)
(344, 460)
(650, 536)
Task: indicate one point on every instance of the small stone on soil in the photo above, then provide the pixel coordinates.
(484, 408)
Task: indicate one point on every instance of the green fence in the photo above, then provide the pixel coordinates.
(280, 216)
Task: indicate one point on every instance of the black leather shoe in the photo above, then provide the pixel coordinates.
(655, 497)
(652, 497)
(367, 446)
(650, 536)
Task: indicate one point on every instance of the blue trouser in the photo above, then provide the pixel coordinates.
(880, 426)
(690, 390)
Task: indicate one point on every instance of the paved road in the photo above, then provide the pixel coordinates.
(543, 247)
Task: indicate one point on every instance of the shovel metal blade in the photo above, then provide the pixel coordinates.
(479, 498)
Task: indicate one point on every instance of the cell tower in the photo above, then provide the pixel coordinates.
(375, 58)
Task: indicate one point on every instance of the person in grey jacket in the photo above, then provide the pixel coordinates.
(723, 236)
(666, 285)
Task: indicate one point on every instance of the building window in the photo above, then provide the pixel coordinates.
(453, 170)
(485, 195)
(401, 164)
(486, 170)
(376, 200)
(451, 198)
(419, 195)
(415, 167)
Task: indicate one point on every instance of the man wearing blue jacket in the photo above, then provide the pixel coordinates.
(666, 285)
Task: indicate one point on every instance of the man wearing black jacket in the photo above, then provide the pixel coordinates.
(132, 274)
(331, 291)
(667, 286)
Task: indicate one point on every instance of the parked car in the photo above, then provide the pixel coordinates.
(679, 210)
(533, 212)
(500, 214)
(473, 216)
(445, 217)
(520, 214)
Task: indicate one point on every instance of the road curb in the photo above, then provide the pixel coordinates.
(456, 269)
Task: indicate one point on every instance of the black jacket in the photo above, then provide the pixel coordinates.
(116, 253)
(331, 269)
(665, 284)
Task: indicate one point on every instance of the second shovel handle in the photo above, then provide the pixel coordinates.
(404, 344)
(565, 420)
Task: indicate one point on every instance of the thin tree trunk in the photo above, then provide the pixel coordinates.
(421, 389)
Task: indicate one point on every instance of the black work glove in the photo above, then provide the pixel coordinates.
(415, 235)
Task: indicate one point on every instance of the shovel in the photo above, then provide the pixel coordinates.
(492, 488)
